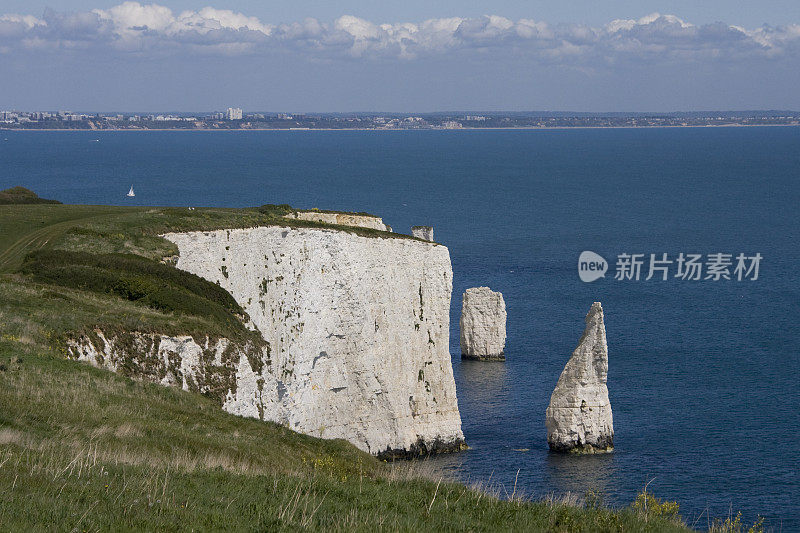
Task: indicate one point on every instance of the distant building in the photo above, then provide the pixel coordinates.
(234, 113)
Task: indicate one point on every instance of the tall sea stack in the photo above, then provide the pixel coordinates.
(483, 325)
(579, 416)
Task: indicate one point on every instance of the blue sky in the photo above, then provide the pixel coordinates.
(612, 55)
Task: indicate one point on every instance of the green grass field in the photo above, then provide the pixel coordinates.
(83, 449)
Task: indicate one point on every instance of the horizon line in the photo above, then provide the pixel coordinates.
(388, 112)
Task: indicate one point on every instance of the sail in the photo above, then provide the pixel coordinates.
(130, 192)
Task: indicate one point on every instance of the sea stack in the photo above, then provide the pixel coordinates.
(483, 325)
(579, 415)
(422, 232)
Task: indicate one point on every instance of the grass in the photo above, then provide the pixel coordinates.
(138, 279)
(24, 228)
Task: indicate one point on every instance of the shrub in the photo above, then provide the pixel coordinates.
(735, 525)
(275, 210)
(21, 195)
(44, 261)
(135, 278)
(650, 506)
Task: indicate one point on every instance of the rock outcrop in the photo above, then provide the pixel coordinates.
(422, 232)
(342, 219)
(214, 366)
(483, 325)
(358, 330)
(579, 418)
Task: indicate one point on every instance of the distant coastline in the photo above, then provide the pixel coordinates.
(499, 128)
(237, 120)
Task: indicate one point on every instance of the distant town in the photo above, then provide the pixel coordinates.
(235, 119)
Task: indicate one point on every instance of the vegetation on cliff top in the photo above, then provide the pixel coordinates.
(136, 230)
(114, 253)
(137, 279)
(21, 195)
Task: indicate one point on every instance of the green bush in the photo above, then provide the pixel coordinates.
(650, 506)
(275, 210)
(21, 195)
(137, 279)
(46, 260)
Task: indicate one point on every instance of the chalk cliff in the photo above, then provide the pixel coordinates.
(579, 417)
(483, 325)
(342, 219)
(358, 333)
(422, 232)
(214, 366)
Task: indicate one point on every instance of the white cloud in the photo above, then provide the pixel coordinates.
(132, 17)
(143, 28)
(27, 21)
(225, 18)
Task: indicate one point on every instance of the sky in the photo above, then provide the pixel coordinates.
(355, 55)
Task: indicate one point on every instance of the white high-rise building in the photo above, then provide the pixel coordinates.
(234, 113)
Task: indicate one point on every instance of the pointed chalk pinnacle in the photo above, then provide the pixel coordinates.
(578, 418)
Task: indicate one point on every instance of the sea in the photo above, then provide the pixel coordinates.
(703, 374)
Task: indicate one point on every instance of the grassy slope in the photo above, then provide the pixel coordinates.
(86, 449)
(24, 228)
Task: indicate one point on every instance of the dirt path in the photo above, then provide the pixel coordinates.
(11, 258)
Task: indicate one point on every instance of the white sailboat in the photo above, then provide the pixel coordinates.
(131, 194)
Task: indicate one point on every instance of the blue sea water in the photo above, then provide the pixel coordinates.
(703, 375)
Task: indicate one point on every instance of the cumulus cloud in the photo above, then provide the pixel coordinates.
(132, 27)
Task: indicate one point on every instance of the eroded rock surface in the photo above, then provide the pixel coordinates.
(342, 219)
(422, 232)
(214, 366)
(483, 325)
(579, 418)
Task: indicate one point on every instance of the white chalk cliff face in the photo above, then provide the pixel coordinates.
(483, 325)
(579, 418)
(358, 329)
(342, 219)
(422, 232)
